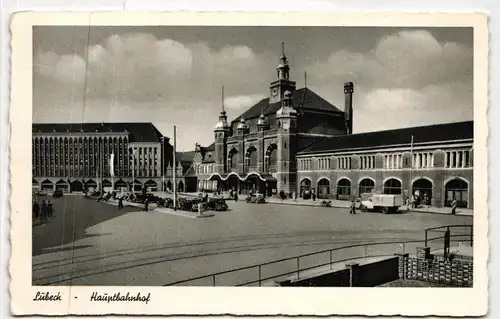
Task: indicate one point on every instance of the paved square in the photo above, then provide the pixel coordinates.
(90, 243)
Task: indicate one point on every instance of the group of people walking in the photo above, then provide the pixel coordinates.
(43, 210)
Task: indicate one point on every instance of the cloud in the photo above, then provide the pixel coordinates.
(141, 67)
(407, 78)
(242, 102)
(407, 59)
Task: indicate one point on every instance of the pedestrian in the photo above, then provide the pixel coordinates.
(313, 196)
(120, 203)
(235, 196)
(408, 204)
(44, 210)
(50, 209)
(454, 207)
(353, 207)
(146, 204)
(294, 196)
(36, 210)
(200, 208)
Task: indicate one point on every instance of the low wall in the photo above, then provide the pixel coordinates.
(354, 275)
(436, 269)
(340, 278)
(423, 267)
(375, 274)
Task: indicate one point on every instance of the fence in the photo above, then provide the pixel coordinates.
(463, 233)
(259, 274)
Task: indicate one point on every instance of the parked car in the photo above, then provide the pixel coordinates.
(217, 204)
(41, 193)
(256, 199)
(184, 204)
(194, 204)
(169, 202)
(57, 193)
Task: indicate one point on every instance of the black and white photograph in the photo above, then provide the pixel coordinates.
(252, 156)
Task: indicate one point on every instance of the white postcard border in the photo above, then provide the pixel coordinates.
(239, 301)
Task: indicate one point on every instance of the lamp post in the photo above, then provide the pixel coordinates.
(175, 170)
(133, 171)
(162, 167)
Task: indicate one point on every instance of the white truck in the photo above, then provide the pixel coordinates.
(385, 203)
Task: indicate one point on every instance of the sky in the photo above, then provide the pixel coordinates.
(173, 75)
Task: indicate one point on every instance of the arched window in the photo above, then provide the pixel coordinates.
(366, 186)
(423, 189)
(344, 189)
(324, 188)
(457, 189)
(305, 187)
(232, 159)
(392, 186)
(252, 157)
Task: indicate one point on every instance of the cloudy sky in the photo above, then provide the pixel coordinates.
(173, 75)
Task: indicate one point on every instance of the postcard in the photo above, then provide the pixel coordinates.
(249, 164)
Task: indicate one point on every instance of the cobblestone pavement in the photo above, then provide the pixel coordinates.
(100, 245)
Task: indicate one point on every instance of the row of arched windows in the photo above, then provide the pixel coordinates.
(251, 159)
(457, 188)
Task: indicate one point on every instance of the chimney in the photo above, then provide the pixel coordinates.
(348, 91)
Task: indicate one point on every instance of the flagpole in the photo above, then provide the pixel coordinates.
(411, 167)
(162, 164)
(133, 171)
(175, 170)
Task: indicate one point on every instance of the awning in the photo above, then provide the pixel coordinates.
(262, 177)
(225, 177)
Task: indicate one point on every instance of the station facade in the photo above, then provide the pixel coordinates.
(296, 141)
(77, 156)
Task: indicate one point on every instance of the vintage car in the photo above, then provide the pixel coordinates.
(194, 204)
(184, 204)
(217, 204)
(57, 193)
(255, 199)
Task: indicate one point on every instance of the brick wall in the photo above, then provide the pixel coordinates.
(436, 269)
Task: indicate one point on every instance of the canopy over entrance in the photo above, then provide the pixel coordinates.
(243, 184)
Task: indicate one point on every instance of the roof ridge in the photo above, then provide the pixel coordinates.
(410, 128)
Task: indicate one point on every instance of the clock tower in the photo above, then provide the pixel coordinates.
(283, 83)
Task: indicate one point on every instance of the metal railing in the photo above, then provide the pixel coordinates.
(298, 261)
(299, 264)
(469, 233)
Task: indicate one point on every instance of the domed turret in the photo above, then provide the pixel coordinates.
(262, 120)
(222, 124)
(287, 109)
(242, 126)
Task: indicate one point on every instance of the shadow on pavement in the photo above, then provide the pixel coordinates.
(72, 216)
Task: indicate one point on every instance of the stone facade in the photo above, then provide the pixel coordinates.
(435, 178)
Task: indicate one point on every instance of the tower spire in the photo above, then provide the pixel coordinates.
(222, 124)
(283, 49)
(223, 99)
(305, 79)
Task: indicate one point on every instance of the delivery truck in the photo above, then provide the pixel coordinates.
(385, 203)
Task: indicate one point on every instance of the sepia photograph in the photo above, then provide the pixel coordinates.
(252, 156)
